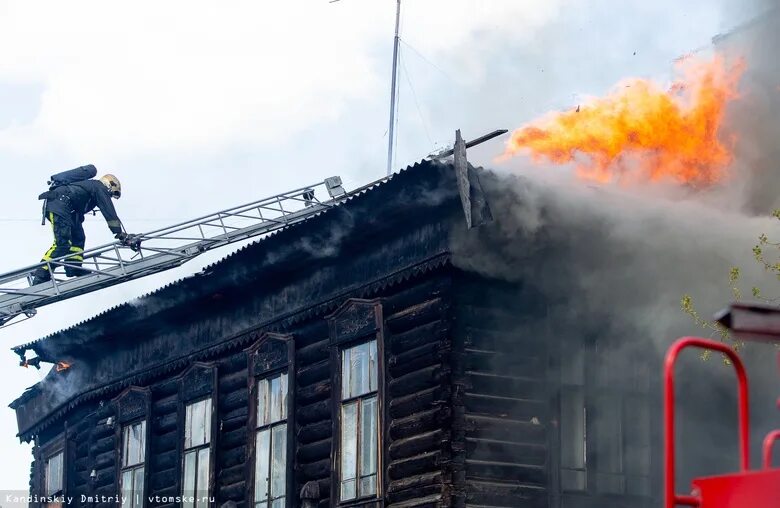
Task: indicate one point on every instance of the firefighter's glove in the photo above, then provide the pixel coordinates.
(132, 241)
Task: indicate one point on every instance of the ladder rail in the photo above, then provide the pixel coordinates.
(110, 264)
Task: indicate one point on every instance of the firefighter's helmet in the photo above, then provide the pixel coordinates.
(112, 184)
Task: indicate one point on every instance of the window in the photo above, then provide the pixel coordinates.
(53, 479)
(574, 417)
(197, 441)
(271, 443)
(359, 421)
(605, 422)
(133, 458)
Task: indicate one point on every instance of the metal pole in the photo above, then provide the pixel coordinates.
(391, 133)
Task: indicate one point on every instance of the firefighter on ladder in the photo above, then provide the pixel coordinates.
(71, 195)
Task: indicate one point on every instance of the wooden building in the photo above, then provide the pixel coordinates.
(341, 362)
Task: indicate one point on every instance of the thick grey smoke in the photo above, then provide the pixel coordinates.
(755, 117)
(613, 263)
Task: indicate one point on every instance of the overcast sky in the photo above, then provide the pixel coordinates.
(198, 106)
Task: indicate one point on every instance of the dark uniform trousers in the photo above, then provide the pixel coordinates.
(69, 238)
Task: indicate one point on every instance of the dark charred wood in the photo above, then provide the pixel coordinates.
(415, 482)
(419, 464)
(234, 491)
(423, 290)
(104, 478)
(492, 340)
(411, 497)
(484, 360)
(517, 409)
(419, 423)
(314, 373)
(164, 388)
(164, 460)
(310, 331)
(491, 493)
(418, 380)
(164, 479)
(489, 470)
(424, 400)
(232, 474)
(233, 363)
(232, 438)
(316, 470)
(104, 460)
(488, 427)
(102, 430)
(235, 399)
(313, 353)
(233, 456)
(101, 445)
(313, 393)
(239, 412)
(314, 412)
(417, 358)
(233, 381)
(165, 405)
(313, 452)
(315, 432)
(165, 442)
(165, 424)
(416, 315)
(506, 386)
(416, 445)
(507, 451)
(432, 332)
(230, 424)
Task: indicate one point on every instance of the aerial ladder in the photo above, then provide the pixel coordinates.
(166, 248)
(163, 249)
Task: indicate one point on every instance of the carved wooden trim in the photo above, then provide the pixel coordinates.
(198, 381)
(355, 319)
(132, 404)
(270, 352)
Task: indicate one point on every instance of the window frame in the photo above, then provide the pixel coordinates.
(271, 354)
(591, 391)
(197, 383)
(127, 413)
(356, 322)
(57, 445)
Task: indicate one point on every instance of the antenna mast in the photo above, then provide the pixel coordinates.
(391, 133)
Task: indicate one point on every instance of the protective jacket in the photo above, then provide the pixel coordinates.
(73, 201)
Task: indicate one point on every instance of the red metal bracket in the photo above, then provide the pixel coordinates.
(670, 498)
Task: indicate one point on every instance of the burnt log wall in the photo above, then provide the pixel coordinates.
(503, 408)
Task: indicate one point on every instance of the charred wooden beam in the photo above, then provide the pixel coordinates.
(424, 400)
(416, 445)
(416, 315)
(314, 432)
(315, 451)
(313, 393)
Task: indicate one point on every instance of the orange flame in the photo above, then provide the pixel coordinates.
(62, 365)
(642, 132)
